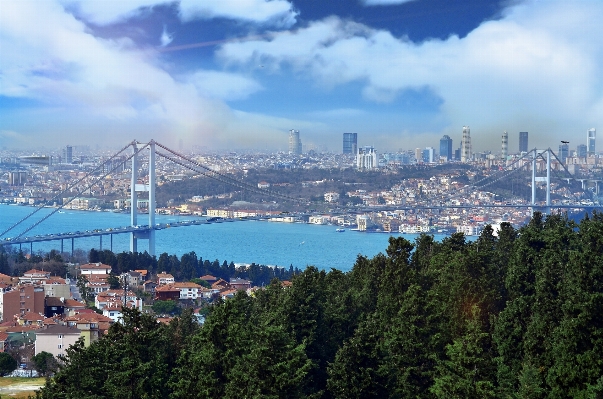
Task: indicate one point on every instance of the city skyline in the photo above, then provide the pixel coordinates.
(232, 74)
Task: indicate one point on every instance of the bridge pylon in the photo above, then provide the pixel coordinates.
(135, 188)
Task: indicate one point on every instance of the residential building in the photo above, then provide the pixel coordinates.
(34, 276)
(240, 284)
(20, 300)
(366, 158)
(164, 278)
(56, 287)
(95, 269)
(56, 339)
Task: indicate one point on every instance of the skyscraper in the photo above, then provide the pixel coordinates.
(591, 135)
(350, 143)
(446, 148)
(466, 145)
(505, 146)
(295, 145)
(563, 152)
(68, 154)
(523, 142)
(581, 151)
(429, 155)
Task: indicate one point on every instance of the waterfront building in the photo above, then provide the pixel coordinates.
(591, 136)
(350, 143)
(523, 142)
(446, 148)
(295, 145)
(466, 145)
(366, 158)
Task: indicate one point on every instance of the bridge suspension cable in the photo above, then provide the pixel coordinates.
(79, 191)
(208, 172)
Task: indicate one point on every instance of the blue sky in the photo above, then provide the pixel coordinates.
(238, 74)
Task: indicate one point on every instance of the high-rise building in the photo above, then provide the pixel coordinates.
(591, 135)
(429, 155)
(466, 145)
(68, 154)
(366, 158)
(446, 148)
(505, 146)
(563, 152)
(350, 143)
(295, 145)
(523, 142)
(581, 151)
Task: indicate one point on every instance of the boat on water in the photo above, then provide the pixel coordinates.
(340, 230)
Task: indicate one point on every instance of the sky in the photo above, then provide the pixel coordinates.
(239, 74)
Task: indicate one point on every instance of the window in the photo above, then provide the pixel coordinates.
(60, 336)
(60, 346)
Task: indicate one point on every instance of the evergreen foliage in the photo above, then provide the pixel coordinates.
(513, 315)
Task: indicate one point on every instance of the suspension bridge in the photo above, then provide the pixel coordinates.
(139, 229)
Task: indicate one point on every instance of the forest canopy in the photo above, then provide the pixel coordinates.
(512, 315)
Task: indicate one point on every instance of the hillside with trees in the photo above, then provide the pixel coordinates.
(517, 315)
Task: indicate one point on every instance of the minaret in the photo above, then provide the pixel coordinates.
(505, 146)
(466, 145)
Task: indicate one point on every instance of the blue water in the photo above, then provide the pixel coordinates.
(266, 243)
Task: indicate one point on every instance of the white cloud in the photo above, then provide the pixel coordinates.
(272, 12)
(166, 38)
(105, 88)
(539, 67)
(109, 12)
(223, 85)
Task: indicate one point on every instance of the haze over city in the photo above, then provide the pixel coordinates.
(241, 74)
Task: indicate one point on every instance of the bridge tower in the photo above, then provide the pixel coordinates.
(535, 154)
(135, 188)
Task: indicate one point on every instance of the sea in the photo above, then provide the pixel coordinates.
(241, 242)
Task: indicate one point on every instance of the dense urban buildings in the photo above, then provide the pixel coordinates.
(523, 142)
(350, 143)
(295, 145)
